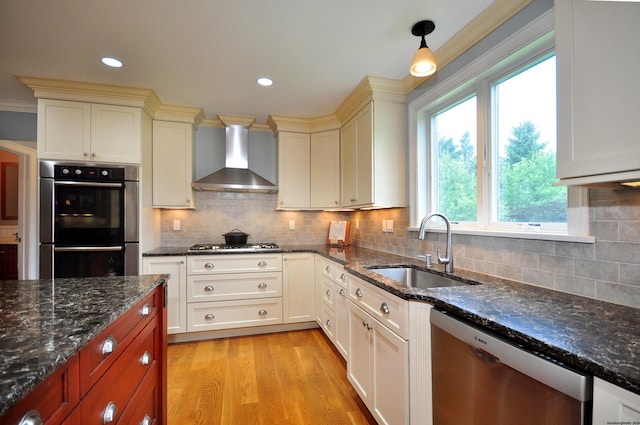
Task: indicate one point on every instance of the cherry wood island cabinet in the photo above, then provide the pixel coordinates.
(118, 377)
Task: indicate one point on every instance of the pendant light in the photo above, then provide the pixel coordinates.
(424, 61)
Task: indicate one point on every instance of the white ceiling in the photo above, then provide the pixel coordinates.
(208, 53)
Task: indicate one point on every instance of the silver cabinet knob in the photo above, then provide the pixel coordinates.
(342, 292)
(343, 277)
(109, 413)
(93, 155)
(209, 317)
(32, 417)
(85, 154)
(262, 285)
(262, 263)
(146, 420)
(327, 269)
(209, 265)
(146, 310)
(328, 293)
(208, 288)
(328, 323)
(359, 293)
(146, 359)
(109, 345)
(262, 312)
(384, 307)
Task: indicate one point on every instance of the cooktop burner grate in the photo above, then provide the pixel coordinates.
(268, 246)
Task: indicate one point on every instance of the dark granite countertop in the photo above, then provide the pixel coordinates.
(597, 337)
(43, 323)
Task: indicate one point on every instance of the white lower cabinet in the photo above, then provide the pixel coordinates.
(614, 405)
(298, 286)
(176, 288)
(378, 358)
(331, 302)
(233, 291)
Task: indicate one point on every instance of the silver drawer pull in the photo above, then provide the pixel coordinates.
(146, 359)
(262, 264)
(328, 292)
(209, 317)
(146, 420)
(109, 413)
(208, 288)
(384, 307)
(262, 285)
(327, 269)
(359, 293)
(109, 345)
(32, 417)
(343, 277)
(146, 310)
(328, 323)
(209, 266)
(342, 292)
(262, 312)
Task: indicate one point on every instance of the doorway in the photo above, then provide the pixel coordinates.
(27, 204)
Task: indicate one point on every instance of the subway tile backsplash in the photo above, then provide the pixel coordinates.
(608, 270)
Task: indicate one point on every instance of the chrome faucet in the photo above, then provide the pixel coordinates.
(448, 258)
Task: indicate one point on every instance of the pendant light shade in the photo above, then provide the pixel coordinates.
(424, 61)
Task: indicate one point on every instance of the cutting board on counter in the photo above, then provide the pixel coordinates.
(338, 233)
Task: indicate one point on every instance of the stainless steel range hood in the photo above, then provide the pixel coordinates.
(236, 175)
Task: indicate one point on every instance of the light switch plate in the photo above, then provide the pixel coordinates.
(292, 225)
(176, 224)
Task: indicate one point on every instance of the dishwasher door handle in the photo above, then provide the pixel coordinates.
(485, 356)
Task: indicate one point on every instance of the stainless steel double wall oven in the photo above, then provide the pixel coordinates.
(88, 220)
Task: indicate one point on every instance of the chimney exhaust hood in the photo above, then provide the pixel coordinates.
(236, 175)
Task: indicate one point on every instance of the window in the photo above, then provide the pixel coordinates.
(484, 143)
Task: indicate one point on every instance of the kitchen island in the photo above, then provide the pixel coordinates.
(596, 337)
(49, 325)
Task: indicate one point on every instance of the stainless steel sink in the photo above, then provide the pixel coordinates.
(416, 278)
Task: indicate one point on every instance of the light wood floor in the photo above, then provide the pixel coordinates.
(284, 378)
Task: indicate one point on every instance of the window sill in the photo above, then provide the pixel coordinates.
(515, 235)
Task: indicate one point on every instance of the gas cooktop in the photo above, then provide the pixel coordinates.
(258, 247)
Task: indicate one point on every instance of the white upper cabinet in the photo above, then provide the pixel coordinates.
(79, 131)
(373, 163)
(172, 164)
(598, 92)
(294, 159)
(325, 169)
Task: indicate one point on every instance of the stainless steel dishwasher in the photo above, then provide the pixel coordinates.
(480, 379)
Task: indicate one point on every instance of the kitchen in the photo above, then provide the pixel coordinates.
(611, 212)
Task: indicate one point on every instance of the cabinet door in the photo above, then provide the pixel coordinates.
(176, 289)
(614, 405)
(293, 170)
(364, 167)
(348, 164)
(64, 130)
(298, 287)
(390, 377)
(598, 122)
(325, 169)
(172, 164)
(341, 321)
(360, 361)
(116, 134)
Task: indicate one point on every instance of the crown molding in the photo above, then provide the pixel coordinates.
(371, 88)
(49, 88)
(236, 120)
(490, 19)
(216, 123)
(28, 107)
(185, 114)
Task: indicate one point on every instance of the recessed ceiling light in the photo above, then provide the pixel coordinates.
(112, 62)
(265, 81)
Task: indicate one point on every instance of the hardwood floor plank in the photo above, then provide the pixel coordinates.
(288, 378)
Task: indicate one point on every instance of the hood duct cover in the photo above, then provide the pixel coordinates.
(236, 175)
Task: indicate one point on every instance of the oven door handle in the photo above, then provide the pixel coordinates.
(88, 248)
(88, 184)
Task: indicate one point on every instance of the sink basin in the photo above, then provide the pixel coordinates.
(416, 278)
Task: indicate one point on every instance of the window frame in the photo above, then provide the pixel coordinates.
(529, 44)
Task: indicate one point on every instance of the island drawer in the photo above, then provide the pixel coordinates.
(232, 286)
(103, 350)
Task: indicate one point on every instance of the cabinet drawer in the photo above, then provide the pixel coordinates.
(327, 292)
(328, 321)
(53, 399)
(114, 340)
(213, 264)
(118, 385)
(390, 310)
(234, 314)
(225, 287)
(145, 402)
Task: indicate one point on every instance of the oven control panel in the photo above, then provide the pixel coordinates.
(72, 172)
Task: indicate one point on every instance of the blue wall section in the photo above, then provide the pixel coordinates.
(18, 126)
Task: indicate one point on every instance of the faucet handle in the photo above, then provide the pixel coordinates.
(441, 260)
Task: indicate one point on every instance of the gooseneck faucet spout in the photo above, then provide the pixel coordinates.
(447, 260)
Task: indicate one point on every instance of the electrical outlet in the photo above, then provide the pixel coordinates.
(357, 224)
(384, 226)
(176, 224)
(389, 226)
(292, 225)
